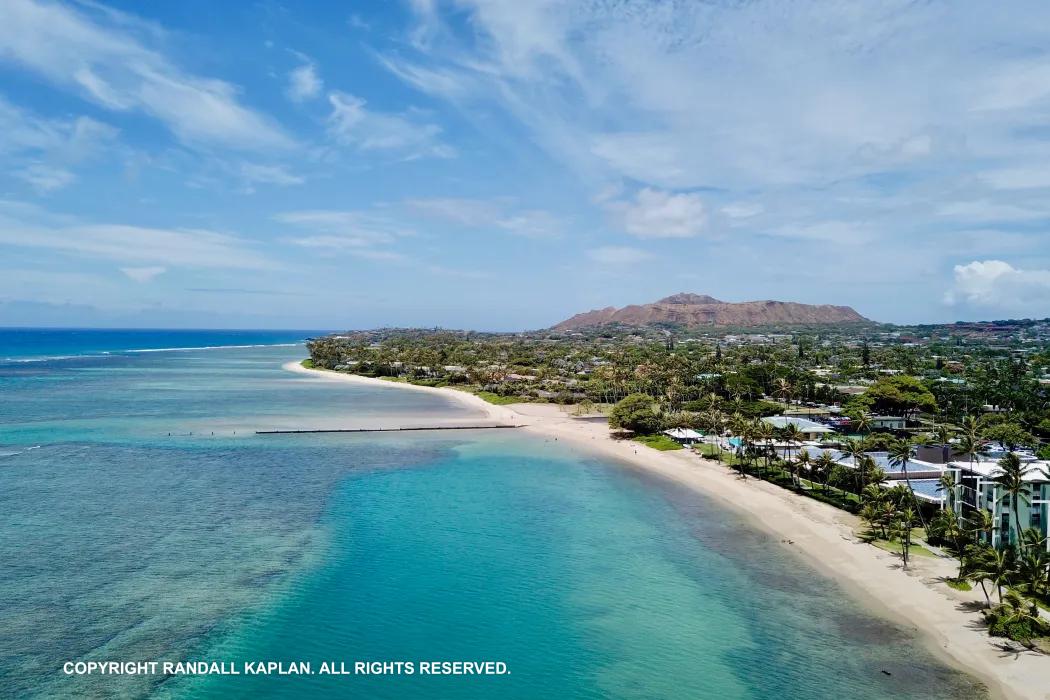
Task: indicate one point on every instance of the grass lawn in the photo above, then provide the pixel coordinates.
(497, 399)
(712, 451)
(959, 585)
(307, 363)
(658, 442)
(895, 548)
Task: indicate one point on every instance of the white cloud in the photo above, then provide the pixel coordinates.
(534, 223)
(269, 174)
(360, 233)
(998, 285)
(1018, 178)
(46, 178)
(647, 157)
(68, 140)
(44, 152)
(984, 210)
(659, 214)
(742, 210)
(443, 271)
(438, 82)
(23, 226)
(105, 59)
(1013, 85)
(617, 255)
(143, 274)
(687, 95)
(357, 22)
(459, 210)
(304, 83)
(486, 213)
(838, 232)
(351, 124)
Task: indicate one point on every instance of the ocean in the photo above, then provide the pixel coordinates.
(143, 519)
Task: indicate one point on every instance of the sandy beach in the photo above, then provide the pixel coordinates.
(823, 535)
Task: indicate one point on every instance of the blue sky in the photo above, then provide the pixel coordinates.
(500, 164)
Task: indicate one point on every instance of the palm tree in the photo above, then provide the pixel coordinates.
(980, 523)
(1010, 478)
(941, 434)
(971, 445)
(996, 565)
(862, 423)
(792, 434)
(947, 484)
(746, 451)
(902, 528)
(822, 468)
(873, 500)
(971, 569)
(855, 450)
(900, 454)
(1016, 611)
(1033, 567)
(802, 460)
(946, 525)
(766, 434)
(713, 421)
(873, 474)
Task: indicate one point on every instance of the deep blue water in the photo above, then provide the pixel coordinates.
(143, 519)
(58, 343)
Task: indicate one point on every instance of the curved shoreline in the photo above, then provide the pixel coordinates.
(819, 533)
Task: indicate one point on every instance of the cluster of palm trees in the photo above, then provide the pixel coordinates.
(891, 514)
(757, 452)
(1019, 573)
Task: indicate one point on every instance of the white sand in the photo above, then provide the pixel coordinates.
(819, 533)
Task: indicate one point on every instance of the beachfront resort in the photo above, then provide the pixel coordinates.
(935, 438)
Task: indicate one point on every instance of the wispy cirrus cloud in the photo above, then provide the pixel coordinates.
(363, 234)
(45, 178)
(783, 107)
(46, 152)
(495, 214)
(144, 274)
(350, 123)
(131, 247)
(303, 82)
(115, 64)
(618, 255)
(269, 174)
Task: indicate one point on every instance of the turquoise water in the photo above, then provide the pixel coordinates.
(36, 344)
(145, 520)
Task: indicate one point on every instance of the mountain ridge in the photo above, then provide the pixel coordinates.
(691, 310)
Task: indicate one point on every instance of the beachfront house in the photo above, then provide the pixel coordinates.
(684, 436)
(977, 489)
(811, 429)
(887, 423)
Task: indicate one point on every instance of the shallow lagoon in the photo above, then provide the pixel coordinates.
(586, 579)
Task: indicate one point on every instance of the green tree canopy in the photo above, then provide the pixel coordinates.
(900, 394)
(636, 413)
(1011, 435)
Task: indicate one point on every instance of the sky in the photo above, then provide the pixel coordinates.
(501, 165)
